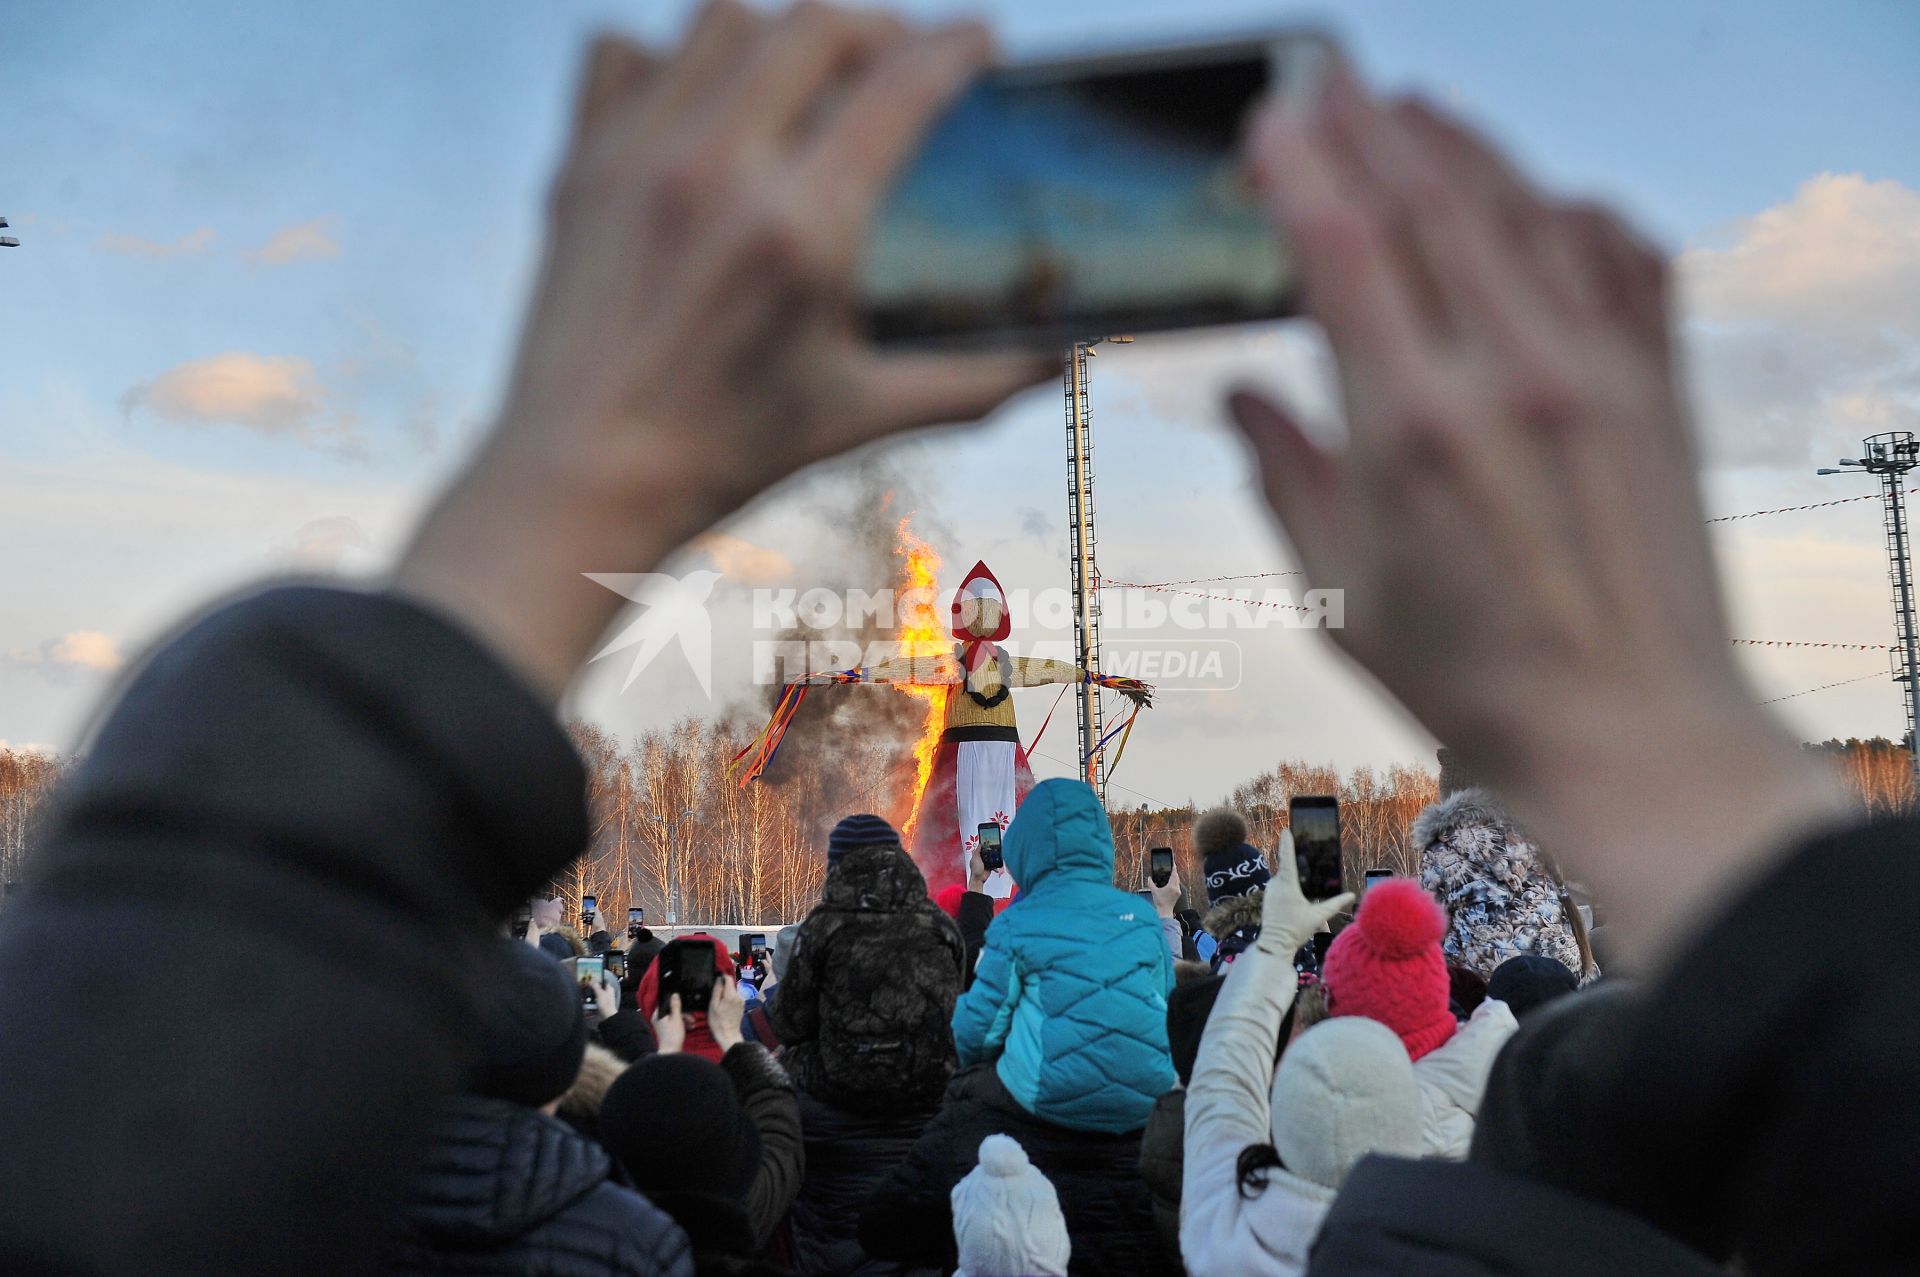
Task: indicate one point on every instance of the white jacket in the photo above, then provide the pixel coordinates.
(1453, 1077)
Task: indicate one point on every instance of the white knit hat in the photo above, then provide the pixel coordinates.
(1006, 1216)
(1344, 1088)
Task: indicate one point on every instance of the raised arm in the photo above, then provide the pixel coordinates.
(1040, 671)
(1227, 1104)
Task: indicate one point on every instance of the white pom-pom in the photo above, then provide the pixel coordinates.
(1002, 1155)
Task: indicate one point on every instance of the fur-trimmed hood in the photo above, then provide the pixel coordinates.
(1234, 913)
(1471, 824)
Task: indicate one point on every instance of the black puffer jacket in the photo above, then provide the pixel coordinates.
(504, 1190)
(865, 1013)
(1457, 1219)
(1108, 1211)
(847, 1156)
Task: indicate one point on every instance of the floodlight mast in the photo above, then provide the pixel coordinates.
(1889, 456)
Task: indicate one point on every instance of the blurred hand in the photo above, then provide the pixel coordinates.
(606, 995)
(533, 932)
(1514, 520)
(1287, 918)
(694, 337)
(725, 1014)
(670, 1026)
(1166, 899)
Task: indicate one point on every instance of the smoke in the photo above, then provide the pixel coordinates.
(854, 744)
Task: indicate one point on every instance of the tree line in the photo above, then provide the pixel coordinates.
(671, 832)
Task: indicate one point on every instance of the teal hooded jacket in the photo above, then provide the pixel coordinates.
(1071, 988)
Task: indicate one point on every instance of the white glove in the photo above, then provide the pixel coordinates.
(1287, 918)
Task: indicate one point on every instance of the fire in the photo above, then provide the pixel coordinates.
(921, 635)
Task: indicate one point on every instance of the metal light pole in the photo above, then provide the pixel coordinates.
(1890, 456)
(666, 853)
(1084, 568)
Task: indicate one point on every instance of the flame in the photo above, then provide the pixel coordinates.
(921, 635)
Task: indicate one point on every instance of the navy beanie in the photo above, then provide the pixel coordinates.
(1233, 866)
(1530, 981)
(535, 1026)
(864, 830)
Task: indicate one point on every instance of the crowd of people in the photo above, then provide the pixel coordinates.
(312, 813)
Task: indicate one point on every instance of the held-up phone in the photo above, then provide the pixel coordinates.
(616, 963)
(687, 968)
(589, 905)
(990, 842)
(1376, 875)
(1064, 200)
(1315, 822)
(522, 919)
(1160, 865)
(752, 945)
(636, 916)
(589, 971)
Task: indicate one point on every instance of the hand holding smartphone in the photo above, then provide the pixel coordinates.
(1160, 865)
(991, 854)
(1065, 200)
(688, 968)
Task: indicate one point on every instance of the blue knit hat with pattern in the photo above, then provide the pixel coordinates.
(864, 830)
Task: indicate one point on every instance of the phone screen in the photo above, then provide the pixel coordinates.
(1069, 200)
(687, 968)
(587, 904)
(752, 940)
(990, 843)
(1377, 875)
(635, 914)
(1315, 823)
(1160, 865)
(589, 969)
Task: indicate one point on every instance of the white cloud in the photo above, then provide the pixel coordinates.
(272, 394)
(1805, 323)
(76, 650)
(335, 543)
(305, 241)
(192, 244)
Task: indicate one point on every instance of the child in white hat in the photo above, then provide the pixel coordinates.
(1006, 1217)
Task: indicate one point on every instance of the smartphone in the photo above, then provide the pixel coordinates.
(522, 919)
(687, 968)
(589, 970)
(636, 916)
(1376, 875)
(589, 906)
(1065, 200)
(1315, 822)
(616, 963)
(990, 843)
(752, 942)
(1160, 865)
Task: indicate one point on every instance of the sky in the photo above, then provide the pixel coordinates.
(274, 257)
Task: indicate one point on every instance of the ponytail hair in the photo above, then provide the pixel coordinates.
(1251, 1172)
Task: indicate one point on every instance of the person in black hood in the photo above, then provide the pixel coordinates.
(681, 1136)
(505, 1187)
(864, 1017)
(866, 996)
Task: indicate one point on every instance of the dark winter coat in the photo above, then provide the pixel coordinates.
(507, 1190)
(848, 1154)
(627, 1034)
(1456, 1219)
(976, 915)
(1162, 1147)
(766, 1094)
(866, 995)
(1097, 1175)
(345, 795)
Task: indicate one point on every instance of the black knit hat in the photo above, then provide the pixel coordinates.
(1530, 981)
(864, 830)
(1233, 866)
(674, 1123)
(534, 1024)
